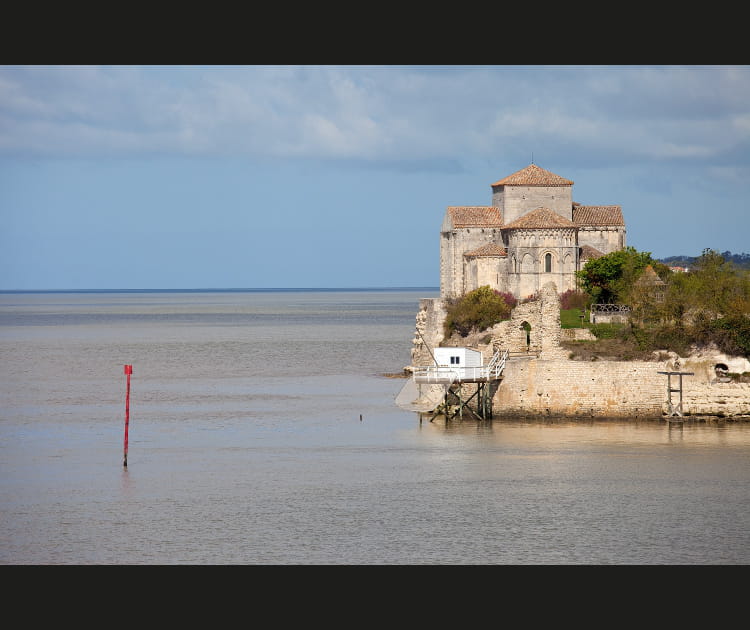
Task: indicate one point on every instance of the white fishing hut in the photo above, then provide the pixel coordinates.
(458, 357)
(456, 366)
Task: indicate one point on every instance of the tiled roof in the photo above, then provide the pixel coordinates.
(589, 253)
(490, 249)
(540, 218)
(533, 175)
(597, 215)
(649, 277)
(475, 216)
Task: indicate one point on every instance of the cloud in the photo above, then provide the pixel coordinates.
(420, 114)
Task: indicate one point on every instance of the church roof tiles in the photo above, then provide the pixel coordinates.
(540, 218)
(649, 277)
(589, 253)
(490, 249)
(597, 215)
(475, 216)
(533, 175)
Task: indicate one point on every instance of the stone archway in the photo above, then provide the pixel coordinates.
(721, 370)
(526, 327)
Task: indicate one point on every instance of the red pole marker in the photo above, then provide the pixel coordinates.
(128, 372)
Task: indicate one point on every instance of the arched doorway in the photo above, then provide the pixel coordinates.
(526, 327)
(722, 372)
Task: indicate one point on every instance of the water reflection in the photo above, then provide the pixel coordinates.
(560, 431)
(126, 484)
(246, 446)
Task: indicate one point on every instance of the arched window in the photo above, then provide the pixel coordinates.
(547, 263)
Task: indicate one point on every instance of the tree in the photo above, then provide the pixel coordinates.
(479, 309)
(609, 278)
(717, 286)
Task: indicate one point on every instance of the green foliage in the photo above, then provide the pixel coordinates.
(730, 334)
(477, 310)
(674, 338)
(608, 278)
(606, 331)
(710, 304)
(718, 286)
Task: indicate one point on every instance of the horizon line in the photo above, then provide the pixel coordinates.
(222, 289)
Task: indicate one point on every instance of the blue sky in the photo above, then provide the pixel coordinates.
(339, 176)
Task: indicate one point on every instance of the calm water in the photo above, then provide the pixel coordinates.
(246, 447)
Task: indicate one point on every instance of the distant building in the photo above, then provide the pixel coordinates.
(533, 233)
(651, 283)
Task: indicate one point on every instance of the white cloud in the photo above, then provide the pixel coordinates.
(376, 112)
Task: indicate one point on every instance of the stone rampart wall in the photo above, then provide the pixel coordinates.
(543, 382)
(611, 389)
(429, 328)
(578, 388)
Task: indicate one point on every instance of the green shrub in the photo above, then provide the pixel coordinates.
(674, 338)
(476, 311)
(606, 331)
(730, 334)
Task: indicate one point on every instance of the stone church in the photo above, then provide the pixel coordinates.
(533, 233)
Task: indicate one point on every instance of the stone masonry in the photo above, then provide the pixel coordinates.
(539, 380)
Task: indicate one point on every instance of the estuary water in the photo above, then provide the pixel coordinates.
(262, 429)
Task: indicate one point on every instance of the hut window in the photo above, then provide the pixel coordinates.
(455, 360)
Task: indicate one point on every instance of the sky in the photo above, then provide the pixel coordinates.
(243, 176)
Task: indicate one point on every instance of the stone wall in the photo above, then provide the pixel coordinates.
(541, 317)
(486, 270)
(536, 387)
(605, 239)
(528, 249)
(429, 328)
(453, 244)
(515, 201)
(577, 334)
(631, 389)
(539, 380)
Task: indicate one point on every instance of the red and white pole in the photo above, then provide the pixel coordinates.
(128, 372)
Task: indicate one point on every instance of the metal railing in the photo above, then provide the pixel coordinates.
(610, 308)
(449, 373)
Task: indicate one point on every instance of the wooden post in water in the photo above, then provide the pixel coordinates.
(128, 372)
